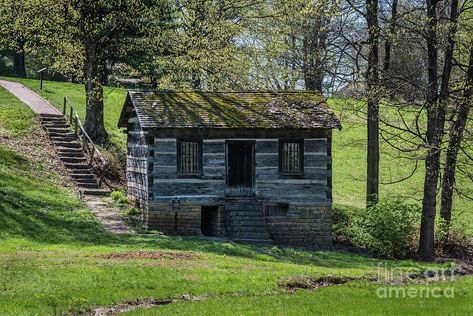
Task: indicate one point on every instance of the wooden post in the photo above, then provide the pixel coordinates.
(75, 126)
(40, 72)
(92, 155)
(70, 116)
(101, 178)
(65, 105)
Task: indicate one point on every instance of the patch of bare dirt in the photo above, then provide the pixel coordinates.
(309, 283)
(129, 306)
(140, 303)
(462, 267)
(155, 255)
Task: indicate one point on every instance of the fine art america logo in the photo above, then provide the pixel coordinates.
(397, 282)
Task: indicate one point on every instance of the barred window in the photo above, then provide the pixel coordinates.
(276, 210)
(291, 156)
(189, 156)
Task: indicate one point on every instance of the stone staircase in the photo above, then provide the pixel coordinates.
(70, 152)
(247, 223)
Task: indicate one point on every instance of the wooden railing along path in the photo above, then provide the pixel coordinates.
(95, 159)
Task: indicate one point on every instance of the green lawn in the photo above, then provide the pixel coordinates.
(55, 257)
(356, 298)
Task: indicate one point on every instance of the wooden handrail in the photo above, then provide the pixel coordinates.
(85, 139)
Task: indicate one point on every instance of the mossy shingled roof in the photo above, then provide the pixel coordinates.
(170, 109)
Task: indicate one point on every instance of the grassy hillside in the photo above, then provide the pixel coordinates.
(349, 152)
(55, 258)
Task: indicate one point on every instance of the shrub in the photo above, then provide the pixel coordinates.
(387, 229)
(133, 217)
(119, 197)
(453, 241)
(390, 228)
(346, 224)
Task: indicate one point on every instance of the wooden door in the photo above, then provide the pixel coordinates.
(240, 158)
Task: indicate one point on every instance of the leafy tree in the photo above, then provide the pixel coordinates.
(98, 27)
(199, 45)
(24, 28)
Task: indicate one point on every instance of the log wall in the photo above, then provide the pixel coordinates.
(308, 221)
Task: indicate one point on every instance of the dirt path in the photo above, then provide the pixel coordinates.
(107, 215)
(38, 104)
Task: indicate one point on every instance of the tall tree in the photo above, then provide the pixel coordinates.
(100, 25)
(456, 131)
(433, 138)
(372, 80)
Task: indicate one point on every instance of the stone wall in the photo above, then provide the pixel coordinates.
(185, 221)
(304, 226)
(308, 226)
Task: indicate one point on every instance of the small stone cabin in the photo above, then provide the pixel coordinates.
(249, 166)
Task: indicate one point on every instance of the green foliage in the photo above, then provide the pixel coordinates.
(389, 228)
(453, 240)
(119, 197)
(346, 224)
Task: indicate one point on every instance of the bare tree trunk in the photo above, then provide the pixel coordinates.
(314, 45)
(372, 178)
(19, 69)
(94, 115)
(447, 67)
(388, 44)
(456, 136)
(388, 41)
(432, 160)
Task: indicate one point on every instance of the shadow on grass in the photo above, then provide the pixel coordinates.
(42, 212)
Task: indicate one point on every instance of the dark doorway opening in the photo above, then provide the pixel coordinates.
(209, 220)
(240, 168)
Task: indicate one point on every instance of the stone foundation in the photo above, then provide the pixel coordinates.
(185, 221)
(304, 226)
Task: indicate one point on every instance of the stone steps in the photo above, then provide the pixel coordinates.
(58, 131)
(88, 191)
(70, 144)
(76, 166)
(88, 185)
(64, 138)
(84, 176)
(70, 153)
(56, 126)
(73, 159)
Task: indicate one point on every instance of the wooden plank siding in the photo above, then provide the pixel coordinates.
(166, 184)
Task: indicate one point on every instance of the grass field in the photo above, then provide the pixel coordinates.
(55, 258)
(349, 152)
